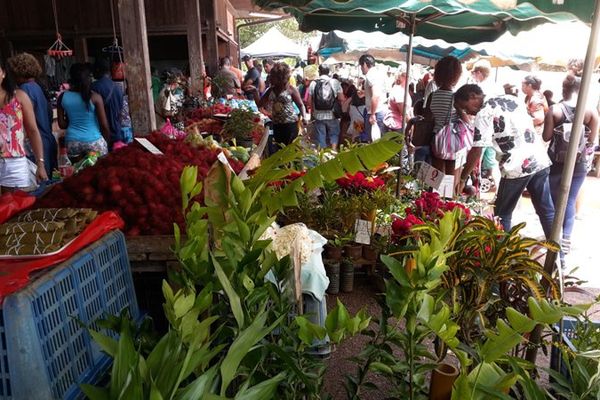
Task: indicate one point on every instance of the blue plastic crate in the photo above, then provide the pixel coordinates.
(569, 332)
(46, 352)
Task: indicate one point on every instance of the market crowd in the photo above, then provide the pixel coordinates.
(477, 128)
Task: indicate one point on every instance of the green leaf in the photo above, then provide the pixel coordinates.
(308, 331)
(241, 346)
(500, 344)
(199, 387)
(518, 321)
(234, 299)
(107, 344)
(336, 322)
(381, 367)
(264, 390)
(95, 393)
(396, 269)
(183, 303)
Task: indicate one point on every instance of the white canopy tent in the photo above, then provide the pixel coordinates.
(273, 44)
(551, 44)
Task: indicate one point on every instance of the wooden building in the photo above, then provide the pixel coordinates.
(161, 33)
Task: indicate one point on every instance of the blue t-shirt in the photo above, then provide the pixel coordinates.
(43, 119)
(83, 123)
(112, 96)
(40, 107)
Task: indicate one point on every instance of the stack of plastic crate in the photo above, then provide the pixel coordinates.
(46, 349)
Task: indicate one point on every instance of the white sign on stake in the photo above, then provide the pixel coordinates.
(148, 145)
(363, 230)
(221, 157)
(429, 175)
(446, 188)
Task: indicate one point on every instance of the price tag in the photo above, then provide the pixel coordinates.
(221, 157)
(446, 187)
(430, 176)
(363, 231)
(461, 158)
(148, 146)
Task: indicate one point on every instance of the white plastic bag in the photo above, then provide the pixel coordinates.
(375, 132)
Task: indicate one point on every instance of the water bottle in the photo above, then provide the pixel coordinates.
(64, 164)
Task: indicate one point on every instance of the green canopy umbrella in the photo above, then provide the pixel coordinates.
(470, 21)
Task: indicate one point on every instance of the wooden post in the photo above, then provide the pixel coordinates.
(212, 45)
(132, 20)
(194, 41)
(81, 49)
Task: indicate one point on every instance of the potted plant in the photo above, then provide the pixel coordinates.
(347, 275)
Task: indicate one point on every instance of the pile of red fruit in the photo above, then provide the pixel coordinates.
(142, 187)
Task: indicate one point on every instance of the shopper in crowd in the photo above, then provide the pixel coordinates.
(549, 95)
(81, 113)
(26, 70)
(252, 79)
(393, 116)
(267, 66)
(503, 122)
(349, 91)
(170, 100)
(480, 75)
(324, 93)
(374, 95)
(112, 97)
(280, 98)
(239, 74)
(446, 75)
(556, 122)
(225, 82)
(535, 101)
(17, 122)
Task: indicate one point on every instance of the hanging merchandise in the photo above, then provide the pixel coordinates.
(115, 51)
(58, 49)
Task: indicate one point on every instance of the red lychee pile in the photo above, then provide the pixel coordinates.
(142, 187)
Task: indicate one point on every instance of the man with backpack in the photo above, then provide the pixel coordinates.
(325, 97)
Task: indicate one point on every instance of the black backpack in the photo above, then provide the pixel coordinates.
(562, 133)
(324, 97)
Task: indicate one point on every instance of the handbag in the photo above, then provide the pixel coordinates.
(422, 126)
(452, 138)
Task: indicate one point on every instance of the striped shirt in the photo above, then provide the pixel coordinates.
(441, 107)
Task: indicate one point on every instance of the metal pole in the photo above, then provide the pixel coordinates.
(567, 175)
(409, 57)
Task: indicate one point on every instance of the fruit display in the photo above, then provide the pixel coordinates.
(143, 188)
(43, 231)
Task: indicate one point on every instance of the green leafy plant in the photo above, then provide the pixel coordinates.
(233, 331)
(581, 377)
(489, 270)
(416, 273)
(491, 371)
